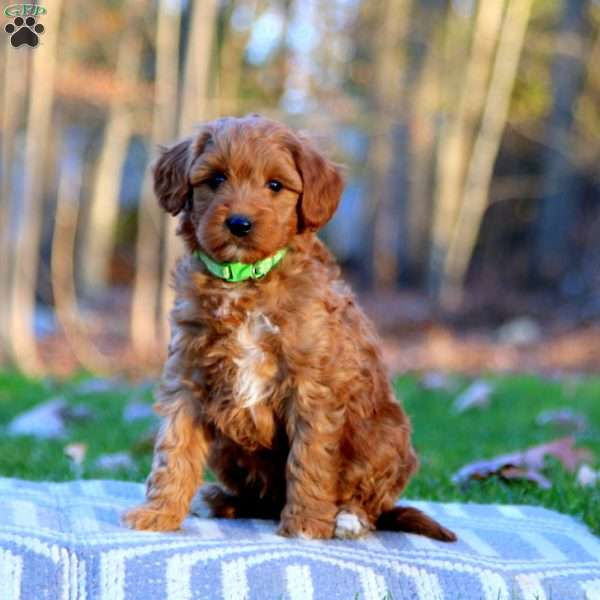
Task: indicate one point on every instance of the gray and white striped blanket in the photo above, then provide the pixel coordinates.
(64, 541)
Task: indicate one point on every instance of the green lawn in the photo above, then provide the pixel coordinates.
(445, 441)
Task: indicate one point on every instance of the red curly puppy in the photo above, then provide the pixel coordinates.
(274, 377)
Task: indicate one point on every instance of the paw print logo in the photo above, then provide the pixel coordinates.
(24, 32)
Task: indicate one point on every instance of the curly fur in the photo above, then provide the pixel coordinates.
(278, 384)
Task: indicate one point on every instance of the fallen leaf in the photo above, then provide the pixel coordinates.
(76, 452)
(437, 380)
(526, 474)
(477, 395)
(586, 476)
(115, 461)
(564, 418)
(526, 464)
(45, 420)
(135, 411)
(98, 385)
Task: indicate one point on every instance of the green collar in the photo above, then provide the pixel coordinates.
(238, 271)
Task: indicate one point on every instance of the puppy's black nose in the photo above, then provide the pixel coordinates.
(239, 225)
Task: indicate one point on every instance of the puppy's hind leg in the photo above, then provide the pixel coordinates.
(351, 523)
(221, 504)
(225, 505)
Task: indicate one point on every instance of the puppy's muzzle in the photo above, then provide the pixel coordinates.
(239, 225)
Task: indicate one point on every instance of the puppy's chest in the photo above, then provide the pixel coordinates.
(242, 368)
(251, 348)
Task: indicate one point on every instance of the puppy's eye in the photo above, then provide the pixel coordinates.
(274, 185)
(215, 180)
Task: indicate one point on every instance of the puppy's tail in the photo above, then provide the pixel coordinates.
(412, 520)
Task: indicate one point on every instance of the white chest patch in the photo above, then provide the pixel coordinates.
(256, 369)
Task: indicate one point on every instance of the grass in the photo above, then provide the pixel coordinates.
(445, 441)
(39, 459)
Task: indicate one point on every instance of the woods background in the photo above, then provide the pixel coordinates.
(470, 223)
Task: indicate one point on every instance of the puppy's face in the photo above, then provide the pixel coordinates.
(245, 187)
(245, 191)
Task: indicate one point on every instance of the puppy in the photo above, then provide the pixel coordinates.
(274, 377)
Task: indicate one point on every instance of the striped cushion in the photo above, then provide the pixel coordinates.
(64, 540)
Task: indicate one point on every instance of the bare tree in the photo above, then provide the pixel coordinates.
(561, 196)
(195, 101)
(13, 101)
(485, 150)
(27, 248)
(231, 59)
(63, 273)
(195, 107)
(586, 153)
(459, 130)
(144, 311)
(104, 201)
(389, 62)
(422, 90)
(423, 117)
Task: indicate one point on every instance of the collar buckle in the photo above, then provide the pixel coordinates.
(227, 273)
(259, 270)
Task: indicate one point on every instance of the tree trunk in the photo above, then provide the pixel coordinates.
(151, 219)
(199, 58)
(194, 109)
(485, 150)
(231, 60)
(13, 95)
(384, 214)
(104, 201)
(41, 101)
(586, 151)
(458, 133)
(63, 275)
(422, 110)
(561, 196)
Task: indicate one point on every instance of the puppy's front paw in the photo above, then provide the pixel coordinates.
(148, 518)
(303, 526)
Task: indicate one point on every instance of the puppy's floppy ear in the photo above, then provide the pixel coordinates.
(322, 186)
(171, 181)
(171, 170)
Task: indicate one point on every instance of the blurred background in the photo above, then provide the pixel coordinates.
(470, 224)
